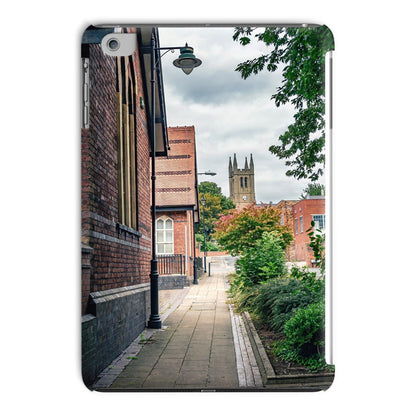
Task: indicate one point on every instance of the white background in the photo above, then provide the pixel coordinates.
(374, 154)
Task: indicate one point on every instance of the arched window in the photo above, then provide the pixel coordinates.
(126, 142)
(245, 181)
(164, 235)
(241, 182)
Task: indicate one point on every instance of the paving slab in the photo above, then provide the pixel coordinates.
(186, 354)
(199, 347)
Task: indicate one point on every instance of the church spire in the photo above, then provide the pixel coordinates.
(246, 164)
(251, 162)
(235, 162)
(230, 167)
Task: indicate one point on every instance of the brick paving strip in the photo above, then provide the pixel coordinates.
(202, 346)
(248, 371)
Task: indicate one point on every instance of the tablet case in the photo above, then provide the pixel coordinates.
(160, 312)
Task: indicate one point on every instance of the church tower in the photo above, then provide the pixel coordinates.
(241, 183)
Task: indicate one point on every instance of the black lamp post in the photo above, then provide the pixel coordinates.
(187, 62)
(209, 173)
(203, 201)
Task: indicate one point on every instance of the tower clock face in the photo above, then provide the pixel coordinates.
(244, 197)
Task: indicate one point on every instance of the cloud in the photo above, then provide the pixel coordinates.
(230, 115)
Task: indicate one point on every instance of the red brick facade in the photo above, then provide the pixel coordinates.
(287, 219)
(121, 256)
(116, 197)
(303, 212)
(176, 191)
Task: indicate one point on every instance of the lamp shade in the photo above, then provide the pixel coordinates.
(187, 61)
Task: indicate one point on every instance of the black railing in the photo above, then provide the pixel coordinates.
(171, 264)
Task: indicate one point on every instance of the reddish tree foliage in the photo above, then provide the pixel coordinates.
(239, 230)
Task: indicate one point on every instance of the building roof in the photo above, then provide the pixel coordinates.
(176, 176)
(161, 137)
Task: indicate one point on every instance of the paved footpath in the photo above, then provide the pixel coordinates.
(202, 346)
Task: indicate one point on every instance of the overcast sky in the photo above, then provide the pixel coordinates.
(230, 115)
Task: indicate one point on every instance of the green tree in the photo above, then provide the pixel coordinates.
(216, 205)
(301, 53)
(266, 260)
(313, 189)
(238, 231)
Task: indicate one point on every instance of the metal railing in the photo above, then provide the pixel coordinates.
(171, 264)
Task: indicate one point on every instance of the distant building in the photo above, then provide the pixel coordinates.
(177, 207)
(241, 181)
(304, 212)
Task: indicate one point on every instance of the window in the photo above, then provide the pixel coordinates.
(126, 142)
(296, 226)
(241, 182)
(245, 182)
(164, 235)
(319, 221)
(301, 224)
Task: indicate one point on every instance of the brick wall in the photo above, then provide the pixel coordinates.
(305, 208)
(115, 259)
(121, 256)
(86, 254)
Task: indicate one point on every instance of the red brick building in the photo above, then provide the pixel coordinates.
(116, 195)
(304, 212)
(177, 201)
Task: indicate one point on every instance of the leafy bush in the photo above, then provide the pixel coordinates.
(304, 337)
(266, 260)
(243, 296)
(317, 244)
(309, 278)
(277, 301)
(305, 330)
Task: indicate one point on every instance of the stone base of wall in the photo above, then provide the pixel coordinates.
(116, 317)
(172, 281)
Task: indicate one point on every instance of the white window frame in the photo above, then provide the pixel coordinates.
(164, 236)
(317, 227)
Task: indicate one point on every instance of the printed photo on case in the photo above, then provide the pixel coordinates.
(206, 208)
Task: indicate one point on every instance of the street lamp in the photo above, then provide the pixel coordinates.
(187, 62)
(203, 201)
(209, 173)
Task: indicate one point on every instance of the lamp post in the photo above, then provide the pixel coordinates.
(187, 62)
(209, 173)
(203, 201)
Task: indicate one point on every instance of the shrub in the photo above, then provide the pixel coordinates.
(309, 278)
(304, 337)
(317, 244)
(266, 260)
(243, 296)
(305, 330)
(277, 301)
